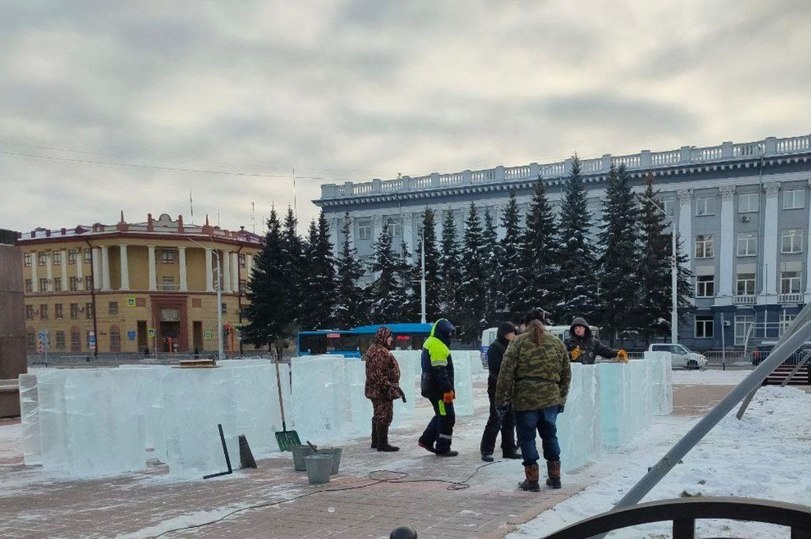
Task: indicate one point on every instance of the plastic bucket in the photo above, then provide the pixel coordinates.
(319, 467)
(336, 457)
(299, 453)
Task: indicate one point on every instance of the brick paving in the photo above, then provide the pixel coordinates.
(275, 501)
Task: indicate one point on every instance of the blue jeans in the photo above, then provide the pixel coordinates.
(543, 420)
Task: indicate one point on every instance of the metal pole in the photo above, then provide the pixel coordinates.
(674, 278)
(422, 280)
(723, 343)
(219, 306)
(689, 440)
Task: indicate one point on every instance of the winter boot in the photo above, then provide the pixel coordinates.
(553, 468)
(448, 453)
(511, 454)
(383, 440)
(531, 482)
(487, 457)
(374, 434)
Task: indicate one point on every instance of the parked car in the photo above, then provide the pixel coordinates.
(682, 357)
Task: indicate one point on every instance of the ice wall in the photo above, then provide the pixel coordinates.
(578, 425)
(463, 381)
(321, 398)
(29, 412)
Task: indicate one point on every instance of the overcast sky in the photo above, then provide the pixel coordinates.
(103, 104)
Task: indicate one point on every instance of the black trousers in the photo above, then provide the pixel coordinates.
(440, 429)
(491, 430)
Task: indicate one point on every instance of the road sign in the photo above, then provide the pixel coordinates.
(91, 339)
(131, 335)
(151, 332)
(131, 302)
(208, 335)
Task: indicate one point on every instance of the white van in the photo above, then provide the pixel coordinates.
(682, 357)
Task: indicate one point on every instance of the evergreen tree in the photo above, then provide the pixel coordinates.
(491, 252)
(408, 277)
(386, 294)
(619, 264)
(449, 268)
(292, 258)
(656, 277)
(539, 284)
(433, 283)
(268, 322)
(318, 299)
(348, 299)
(577, 255)
(473, 287)
(509, 275)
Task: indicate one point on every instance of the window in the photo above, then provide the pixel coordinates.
(793, 199)
(703, 246)
(57, 258)
(29, 286)
(71, 257)
(785, 321)
(43, 284)
(790, 282)
(57, 284)
(364, 229)
(167, 256)
(223, 308)
(88, 282)
(746, 284)
(705, 206)
(88, 311)
(88, 256)
(31, 341)
(112, 308)
(705, 286)
(75, 341)
(27, 259)
(748, 203)
(241, 258)
(140, 302)
(747, 244)
(168, 283)
(43, 312)
(704, 327)
(668, 204)
(74, 311)
(42, 259)
(60, 340)
(29, 312)
(58, 312)
(74, 284)
(791, 241)
(115, 339)
(394, 226)
(743, 327)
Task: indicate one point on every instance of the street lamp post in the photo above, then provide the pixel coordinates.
(674, 275)
(218, 269)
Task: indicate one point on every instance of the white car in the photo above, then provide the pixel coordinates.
(682, 357)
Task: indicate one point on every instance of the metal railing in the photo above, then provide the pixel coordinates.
(684, 512)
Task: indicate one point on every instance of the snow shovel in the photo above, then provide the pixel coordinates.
(286, 439)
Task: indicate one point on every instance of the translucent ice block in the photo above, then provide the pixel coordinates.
(29, 411)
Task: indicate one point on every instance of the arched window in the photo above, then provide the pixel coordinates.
(115, 339)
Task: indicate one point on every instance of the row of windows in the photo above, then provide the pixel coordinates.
(791, 242)
(744, 327)
(745, 284)
(793, 199)
(74, 284)
(75, 340)
(32, 312)
(56, 257)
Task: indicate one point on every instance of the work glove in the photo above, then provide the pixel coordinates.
(622, 355)
(576, 353)
(560, 408)
(501, 411)
(448, 397)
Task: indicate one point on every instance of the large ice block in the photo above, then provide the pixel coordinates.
(579, 425)
(257, 403)
(640, 394)
(29, 418)
(149, 383)
(50, 383)
(616, 412)
(463, 384)
(321, 400)
(411, 357)
(661, 382)
(361, 407)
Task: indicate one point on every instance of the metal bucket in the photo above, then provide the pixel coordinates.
(336, 457)
(299, 453)
(319, 467)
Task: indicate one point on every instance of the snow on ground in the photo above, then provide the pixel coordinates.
(764, 455)
(709, 377)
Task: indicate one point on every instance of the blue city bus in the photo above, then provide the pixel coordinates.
(354, 342)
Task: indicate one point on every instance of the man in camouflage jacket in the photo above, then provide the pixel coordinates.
(534, 380)
(382, 387)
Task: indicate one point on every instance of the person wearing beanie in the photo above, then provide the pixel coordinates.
(436, 385)
(382, 387)
(534, 380)
(505, 333)
(584, 348)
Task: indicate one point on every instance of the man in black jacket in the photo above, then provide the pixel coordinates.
(584, 348)
(506, 333)
(436, 385)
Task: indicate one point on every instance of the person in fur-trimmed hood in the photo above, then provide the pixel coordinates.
(382, 387)
(584, 348)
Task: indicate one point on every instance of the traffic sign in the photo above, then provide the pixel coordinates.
(131, 302)
(208, 335)
(131, 335)
(91, 339)
(151, 332)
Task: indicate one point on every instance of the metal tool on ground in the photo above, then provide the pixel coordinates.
(246, 459)
(227, 458)
(287, 439)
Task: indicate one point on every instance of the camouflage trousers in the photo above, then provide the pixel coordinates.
(383, 412)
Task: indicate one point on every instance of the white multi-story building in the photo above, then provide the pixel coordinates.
(742, 210)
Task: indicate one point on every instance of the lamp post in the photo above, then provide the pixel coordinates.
(422, 279)
(218, 269)
(674, 275)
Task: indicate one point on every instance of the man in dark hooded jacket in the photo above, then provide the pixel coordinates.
(436, 384)
(584, 348)
(506, 332)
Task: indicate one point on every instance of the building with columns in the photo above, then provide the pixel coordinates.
(129, 287)
(742, 210)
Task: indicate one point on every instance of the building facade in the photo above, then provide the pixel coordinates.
(742, 210)
(134, 288)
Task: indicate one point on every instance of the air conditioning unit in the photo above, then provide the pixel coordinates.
(745, 218)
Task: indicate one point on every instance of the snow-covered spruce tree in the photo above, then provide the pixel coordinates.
(577, 254)
(318, 301)
(433, 284)
(450, 273)
(292, 255)
(348, 300)
(619, 243)
(490, 254)
(386, 295)
(510, 275)
(539, 284)
(408, 277)
(268, 322)
(473, 287)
